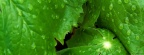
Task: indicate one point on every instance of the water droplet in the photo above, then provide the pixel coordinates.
(112, 20)
(8, 51)
(126, 1)
(39, 1)
(111, 6)
(119, 50)
(57, 17)
(64, 19)
(107, 45)
(107, 15)
(62, 5)
(89, 49)
(43, 37)
(121, 26)
(56, 6)
(137, 37)
(33, 46)
(34, 16)
(129, 42)
(103, 8)
(143, 8)
(31, 32)
(80, 51)
(136, 20)
(42, 47)
(131, 15)
(118, 12)
(129, 32)
(20, 1)
(65, 1)
(4, 3)
(4, 51)
(21, 44)
(110, 13)
(133, 7)
(44, 7)
(53, 16)
(30, 7)
(49, 1)
(19, 12)
(104, 37)
(127, 20)
(98, 50)
(83, 51)
(119, 1)
(45, 52)
(115, 30)
(135, 14)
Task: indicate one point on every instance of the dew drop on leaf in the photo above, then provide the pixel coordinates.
(119, 1)
(53, 16)
(64, 19)
(65, 1)
(137, 37)
(45, 52)
(121, 26)
(133, 7)
(107, 15)
(111, 6)
(126, 1)
(89, 49)
(39, 1)
(30, 7)
(127, 20)
(129, 42)
(135, 14)
(44, 7)
(8, 51)
(129, 32)
(43, 37)
(19, 12)
(107, 45)
(49, 1)
(33, 46)
(34, 16)
(112, 20)
(131, 15)
(98, 50)
(62, 5)
(20, 1)
(56, 6)
(57, 17)
(119, 50)
(136, 20)
(104, 38)
(103, 8)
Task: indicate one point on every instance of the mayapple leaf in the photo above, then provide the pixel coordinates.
(91, 41)
(125, 19)
(91, 13)
(29, 27)
(16, 36)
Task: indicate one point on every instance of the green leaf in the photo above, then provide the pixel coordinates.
(125, 19)
(16, 35)
(92, 11)
(93, 42)
(28, 27)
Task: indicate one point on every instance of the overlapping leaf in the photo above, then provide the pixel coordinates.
(28, 27)
(93, 41)
(91, 13)
(125, 19)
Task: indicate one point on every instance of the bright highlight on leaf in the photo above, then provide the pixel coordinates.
(107, 45)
